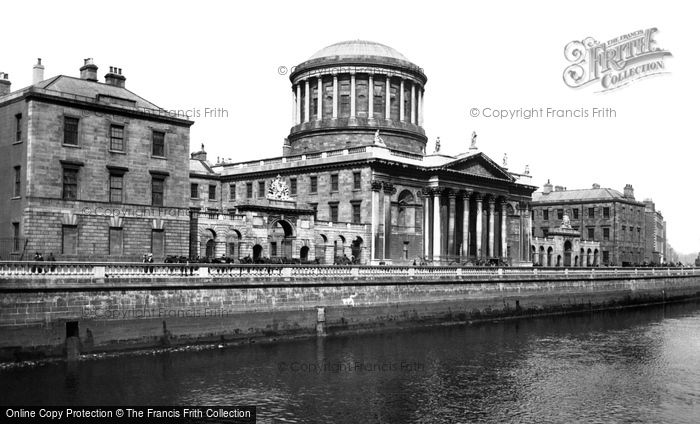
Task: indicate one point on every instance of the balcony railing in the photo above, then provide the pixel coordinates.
(115, 271)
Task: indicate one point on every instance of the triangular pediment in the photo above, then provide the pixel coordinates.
(481, 165)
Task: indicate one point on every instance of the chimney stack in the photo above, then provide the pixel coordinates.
(629, 191)
(547, 188)
(200, 155)
(5, 84)
(115, 77)
(596, 185)
(38, 74)
(89, 70)
(559, 188)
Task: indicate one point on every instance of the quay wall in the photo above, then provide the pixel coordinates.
(44, 316)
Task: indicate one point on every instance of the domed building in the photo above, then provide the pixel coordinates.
(356, 180)
(348, 90)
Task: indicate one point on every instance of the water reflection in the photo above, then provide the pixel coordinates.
(636, 365)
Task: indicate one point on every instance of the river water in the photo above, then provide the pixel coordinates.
(632, 365)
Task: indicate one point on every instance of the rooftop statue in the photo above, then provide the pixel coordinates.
(378, 139)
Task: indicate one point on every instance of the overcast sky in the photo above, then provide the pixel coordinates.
(501, 55)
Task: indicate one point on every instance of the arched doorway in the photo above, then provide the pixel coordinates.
(567, 253)
(581, 256)
(257, 252)
(281, 236)
(549, 256)
(339, 247)
(356, 249)
(210, 249)
(533, 255)
(595, 257)
(233, 244)
(589, 257)
(208, 243)
(576, 261)
(540, 261)
(304, 254)
(558, 260)
(321, 242)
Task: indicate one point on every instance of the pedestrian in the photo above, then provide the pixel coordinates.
(51, 259)
(149, 259)
(39, 258)
(36, 259)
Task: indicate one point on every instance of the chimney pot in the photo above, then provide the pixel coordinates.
(38, 72)
(547, 188)
(89, 70)
(115, 77)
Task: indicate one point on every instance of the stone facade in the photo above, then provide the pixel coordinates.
(563, 247)
(91, 166)
(359, 177)
(615, 220)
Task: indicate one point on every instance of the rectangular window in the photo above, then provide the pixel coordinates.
(212, 192)
(334, 182)
(545, 232)
(560, 213)
(606, 212)
(70, 131)
(157, 188)
(70, 183)
(356, 181)
(545, 214)
(116, 138)
(18, 127)
(292, 186)
(606, 257)
(333, 212)
(606, 233)
(591, 212)
(158, 144)
(116, 188)
(194, 191)
(116, 241)
(591, 233)
(356, 213)
(273, 249)
(249, 190)
(18, 181)
(575, 211)
(313, 184)
(158, 243)
(261, 188)
(232, 192)
(69, 240)
(15, 237)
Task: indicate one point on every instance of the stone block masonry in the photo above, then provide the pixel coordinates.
(37, 316)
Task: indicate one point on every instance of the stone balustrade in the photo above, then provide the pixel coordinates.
(121, 270)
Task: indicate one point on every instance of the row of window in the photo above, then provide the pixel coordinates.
(293, 184)
(117, 143)
(575, 213)
(590, 233)
(69, 241)
(116, 186)
(356, 217)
